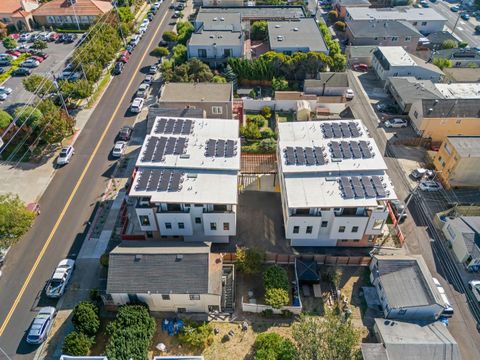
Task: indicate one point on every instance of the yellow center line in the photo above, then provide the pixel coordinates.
(75, 189)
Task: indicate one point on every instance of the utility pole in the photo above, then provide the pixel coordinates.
(55, 83)
(456, 22)
(119, 23)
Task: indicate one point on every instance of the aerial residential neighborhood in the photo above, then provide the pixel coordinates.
(268, 179)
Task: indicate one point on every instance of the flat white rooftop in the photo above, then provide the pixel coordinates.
(459, 90)
(398, 13)
(396, 56)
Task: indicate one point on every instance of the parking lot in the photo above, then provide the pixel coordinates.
(57, 53)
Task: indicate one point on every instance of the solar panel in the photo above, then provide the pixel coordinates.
(289, 156)
(346, 187)
(300, 156)
(143, 180)
(177, 128)
(378, 185)
(154, 179)
(357, 154)
(337, 132)
(347, 154)
(220, 148)
(369, 190)
(365, 149)
(354, 129)
(230, 148)
(164, 181)
(345, 130)
(175, 181)
(187, 127)
(357, 187)
(170, 146)
(169, 126)
(336, 152)
(319, 157)
(310, 156)
(149, 149)
(210, 150)
(161, 126)
(327, 130)
(180, 146)
(159, 149)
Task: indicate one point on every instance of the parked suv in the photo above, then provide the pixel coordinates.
(41, 325)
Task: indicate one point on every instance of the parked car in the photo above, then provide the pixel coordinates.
(142, 90)
(24, 37)
(176, 15)
(424, 4)
(420, 173)
(152, 70)
(125, 133)
(2, 70)
(53, 36)
(43, 36)
(21, 72)
(124, 57)
(118, 68)
(58, 282)
(5, 90)
(15, 53)
(34, 37)
(30, 63)
(477, 29)
(130, 48)
(429, 185)
(465, 16)
(148, 79)
(119, 148)
(179, 7)
(37, 58)
(396, 123)
(360, 67)
(62, 38)
(137, 105)
(39, 54)
(3, 97)
(5, 62)
(150, 16)
(398, 209)
(163, 43)
(41, 325)
(349, 94)
(134, 40)
(455, 8)
(145, 22)
(385, 107)
(69, 38)
(65, 155)
(474, 285)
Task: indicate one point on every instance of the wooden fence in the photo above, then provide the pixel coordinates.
(289, 259)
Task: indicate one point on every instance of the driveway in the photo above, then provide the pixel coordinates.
(57, 53)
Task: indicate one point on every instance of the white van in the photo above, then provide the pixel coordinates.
(448, 309)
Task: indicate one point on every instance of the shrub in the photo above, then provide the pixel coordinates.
(266, 112)
(28, 115)
(77, 344)
(5, 119)
(267, 133)
(279, 84)
(198, 337)
(160, 51)
(219, 79)
(273, 346)
(131, 334)
(333, 15)
(250, 131)
(442, 63)
(449, 44)
(259, 30)
(184, 30)
(275, 277)
(9, 43)
(40, 44)
(85, 318)
(104, 259)
(276, 297)
(268, 145)
(258, 120)
(249, 260)
(169, 36)
(340, 25)
(179, 54)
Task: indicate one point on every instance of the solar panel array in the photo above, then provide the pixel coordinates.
(304, 156)
(350, 149)
(339, 130)
(220, 148)
(357, 187)
(174, 126)
(159, 180)
(157, 147)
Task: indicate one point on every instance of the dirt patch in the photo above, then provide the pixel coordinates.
(101, 339)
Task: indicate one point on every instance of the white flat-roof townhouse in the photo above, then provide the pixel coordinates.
(333, 183)
(185, 183)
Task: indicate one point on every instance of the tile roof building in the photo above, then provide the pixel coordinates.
(18, 13)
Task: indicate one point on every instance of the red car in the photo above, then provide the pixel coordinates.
(53, 37)
(124, 57)
(360, 67)
(39, 54)
(14, 52)
(38, 58)
(14, 36)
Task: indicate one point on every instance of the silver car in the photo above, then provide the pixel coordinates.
(65, 155)
(119, 148)
(60, 278)
(41, 325)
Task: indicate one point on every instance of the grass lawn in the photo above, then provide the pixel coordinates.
(285, 116)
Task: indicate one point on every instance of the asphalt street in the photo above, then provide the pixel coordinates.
(69, 201)
(464, 29)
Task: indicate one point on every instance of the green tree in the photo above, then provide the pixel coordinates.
(333, 15)
(325, 338)
(230, 76)
(219, 79)
(250, 131)
(271, 346)
(39, 84)
(40, 44)
(5, 119)
(77, 344)
(198, 337)
(85, 318)
(9, 43)
(442, 63)
(279, 84)
(449, 44)
(340, 26)
(275, 277)
(268, 145)
(267, 133)
(28, 115)
(93, 72)
(248, 260)
(125, 14)
(339, 62)
(184, 31)
(77, 90)
(276, 297)
(266, 112)
(169, 36)
(179, 54)
(259, 30)
(15, 219)
(160, 51)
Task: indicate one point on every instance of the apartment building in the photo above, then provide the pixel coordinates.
(185, 183)
(333, 183)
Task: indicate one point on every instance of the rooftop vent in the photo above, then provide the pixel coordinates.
(212, 37)
(215, 18)
(277, 26)
(138, 257)
(222, 19)
(280, 37)
(179, 257)
(295, 29)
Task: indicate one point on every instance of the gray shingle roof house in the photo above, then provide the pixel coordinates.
(327, 84)
(406, 90)
(166, 275)
(404, 340)
(459, 57)
(405, 287)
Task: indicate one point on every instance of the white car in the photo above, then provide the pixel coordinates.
(474, 285)
(119, 148)
(137, 105)
(3, 96)
(25, 37)
(420, 173)
(396, 123)
(429, 185)
(349, 94)
(65, 155)
(30, 63)
(41, 325)
(145, 22)
(5, 90)
(60, 278)
(43, 36)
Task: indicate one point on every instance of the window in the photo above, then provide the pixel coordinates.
(324, 223)
(440, 159)
(458, 121)
(354, 229)
(227, 53)
(165, 297)
(168, 225)
(303, 211)
(408, 38)
(451, 231)
(296, 229)
(202, 53)
(194, 297)
(181, 310)
(198, 205)
(174, 207)
(217, 110)
(226, 226)
(213, 226)
(198, 220)
(341, 229)
(394, 38)
(181, 225)
(415, 23)
(424, 23)
(415, 113)
(447, 148)
(378, 224)
(219, 207)
(309, 229)
(402, 312)
(144, 220)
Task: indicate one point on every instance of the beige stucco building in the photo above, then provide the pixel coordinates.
(18, 13)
